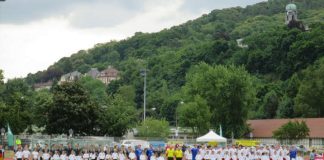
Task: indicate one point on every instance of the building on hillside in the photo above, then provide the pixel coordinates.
(241, 44)
(263, 130)
(108, 75)
(291, 13)
(70, 77)
(40, 86)
(93, 72)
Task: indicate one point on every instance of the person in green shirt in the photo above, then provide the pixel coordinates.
(178, 153)
(170, 153)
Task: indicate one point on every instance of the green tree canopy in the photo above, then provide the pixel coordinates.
(96, 89)
(72, 109)
(228, 91)
(18, 101)
(292, 131)
(118, 117)
(40, 110)
(309, 101)
(154, 128)
(195, 114)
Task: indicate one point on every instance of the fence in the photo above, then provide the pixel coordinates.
(32, 140)
(313, 142)
(42, 140)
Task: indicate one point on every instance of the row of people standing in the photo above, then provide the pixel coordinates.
(233, 153)
(115, 153)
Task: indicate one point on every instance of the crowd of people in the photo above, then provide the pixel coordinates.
(170, 152)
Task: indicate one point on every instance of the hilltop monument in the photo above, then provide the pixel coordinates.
(292, 18)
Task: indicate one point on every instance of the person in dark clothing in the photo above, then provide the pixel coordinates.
(69, 149)
(77, 149)
(149, 152)
(138, 152)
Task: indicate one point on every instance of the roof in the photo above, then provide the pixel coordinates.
(109, 72)
(93, 72)
(264, 128)
(211, 136)
(290, 7)
(75, 74)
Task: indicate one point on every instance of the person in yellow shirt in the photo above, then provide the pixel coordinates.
(178, 153)
(170, 153)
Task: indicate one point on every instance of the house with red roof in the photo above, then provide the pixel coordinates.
(262, 129)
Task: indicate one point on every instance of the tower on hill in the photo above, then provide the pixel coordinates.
(291, 16)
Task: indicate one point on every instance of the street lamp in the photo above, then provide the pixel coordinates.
(71, 132)
(176, 118)
(144, 73)
(2, 134)
(176, 115)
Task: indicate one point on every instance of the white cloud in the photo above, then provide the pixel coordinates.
(33, 46)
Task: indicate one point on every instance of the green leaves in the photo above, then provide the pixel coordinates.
(118, 117)
(292, 131)
(310, 97)
(227, 91)
(154, 128)
(96, 89)
(72, 109)
(195, 114)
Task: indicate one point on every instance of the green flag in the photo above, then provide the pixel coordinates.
(10, 137)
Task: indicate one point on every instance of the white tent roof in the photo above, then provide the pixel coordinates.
(211, 136)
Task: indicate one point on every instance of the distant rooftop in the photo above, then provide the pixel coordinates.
(291, 7)
(263, 128)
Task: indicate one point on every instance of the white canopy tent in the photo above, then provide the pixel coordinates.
(211, 136)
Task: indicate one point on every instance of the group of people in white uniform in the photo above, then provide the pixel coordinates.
(244, 153)
(196, 152)
(104, 153)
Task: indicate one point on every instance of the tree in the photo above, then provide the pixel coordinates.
(43, 103)
(292, 131)
(270, 104)
(228, 91)
(286, 108)
(72, 109)
(309, 101)
(128, 94)
(17, 96)
(96, 89)
(113, 87)
(1, 81)
(117, 118)
(154, 128)
(195, 114)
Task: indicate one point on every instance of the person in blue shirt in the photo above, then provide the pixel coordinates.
(293, 153)
(138, 152)
(149, 152)
(194, 152)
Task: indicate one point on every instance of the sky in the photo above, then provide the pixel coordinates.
(34, 34)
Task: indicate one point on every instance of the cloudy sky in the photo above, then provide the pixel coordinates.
(36, 33)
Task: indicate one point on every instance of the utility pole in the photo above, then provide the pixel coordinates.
(143, 73)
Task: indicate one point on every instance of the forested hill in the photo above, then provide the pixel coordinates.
(284, 66)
